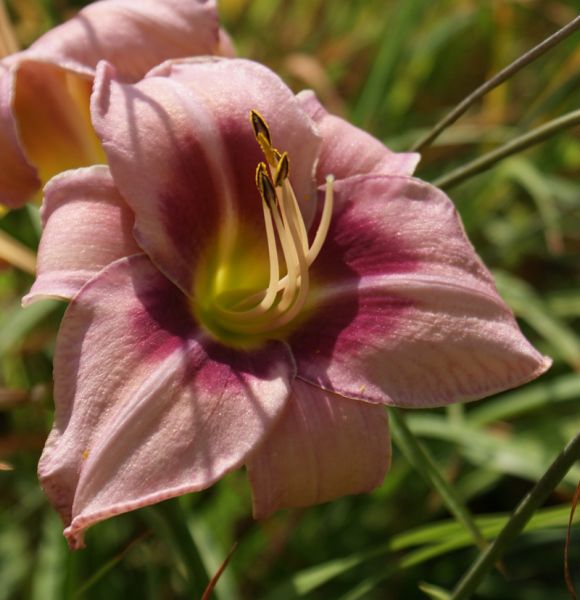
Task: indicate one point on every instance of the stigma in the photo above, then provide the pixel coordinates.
(290, 253)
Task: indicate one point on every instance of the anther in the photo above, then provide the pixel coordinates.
(261, 129)
(265, 186)
(282, 170)
(270, 309)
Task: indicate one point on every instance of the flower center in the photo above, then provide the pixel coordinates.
(248, 316)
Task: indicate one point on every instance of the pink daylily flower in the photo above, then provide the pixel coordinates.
(233, 305)
(45, 125)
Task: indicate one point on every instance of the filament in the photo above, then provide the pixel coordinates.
(281, 301)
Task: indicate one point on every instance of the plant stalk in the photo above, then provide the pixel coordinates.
(170, 523)
(17, 254)
(527, 140)
(498, 79)
(522, 514)
(415, 453)
(8, 41)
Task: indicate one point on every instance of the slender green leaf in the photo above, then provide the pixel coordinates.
(48, 574)
(434, 592)
(517, 522)
(17, 322)
(420, 459)
(527, 305)
(532, 397)
(394, 39)
(428, 538)
(524, 455)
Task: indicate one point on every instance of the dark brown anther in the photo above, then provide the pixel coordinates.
(265, 185)
(282, 170)
(261, 129)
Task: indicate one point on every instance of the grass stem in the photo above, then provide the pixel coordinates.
(522, 142)
(498, 79)
(520, 517)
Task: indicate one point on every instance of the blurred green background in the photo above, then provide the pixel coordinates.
(393, 67)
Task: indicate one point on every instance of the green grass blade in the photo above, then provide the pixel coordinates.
(395, 36)
(427, 538)
(420, 459)
(523, 455)
(17, 322)
(527, 305)
(434, 592)
(536, 395)
(48, 574)
(518, 520)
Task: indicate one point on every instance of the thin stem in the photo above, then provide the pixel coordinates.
(16, 253)
(512, 147)
(214, 580)
(522, 514)
(8, 42)
(104, 569)
(567, 577)
(170, 523)
(498, 79)
(415, 453)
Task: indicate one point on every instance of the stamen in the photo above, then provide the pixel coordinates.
(274, 307)
(268, 300)
(296, 214)
(323, 227)
(324, 224)
(294, 294)
(281, 181)
(260, 126)
(265, 186)
(282, 170)
(262, 133)
(290, 257)
(287, 311)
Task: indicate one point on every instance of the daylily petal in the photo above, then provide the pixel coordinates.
(51, 111)
(86, 226)
(323, 447)
(134, 35)
(45, 126)
(183, 153)
(348, 150)
(403, 311)
(148, 407)
(18, 179)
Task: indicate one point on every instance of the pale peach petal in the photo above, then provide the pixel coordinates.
(18, 178)
(86, 226)
(134, 35)
(403, 311)
(347, 150)
(183, 154)
(147, 406)
(45, 125)
(51, 111)
(323, 447)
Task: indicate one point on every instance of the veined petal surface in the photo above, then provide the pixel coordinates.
(18, 178)
(347, 150)
(86, 226)
(404, 312)
(323, 447)
(134, 35)
(182, 152)
(147, 407)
